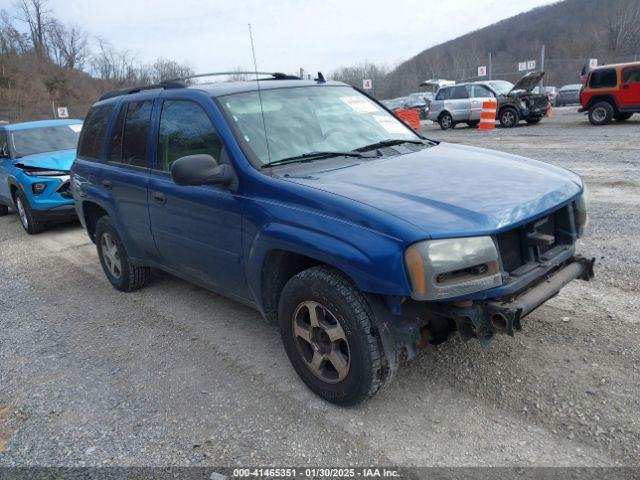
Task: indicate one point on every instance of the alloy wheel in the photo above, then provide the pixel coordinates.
(22, 213)
(599, 114)
(111, 255)
(321, 342)
(508, 118)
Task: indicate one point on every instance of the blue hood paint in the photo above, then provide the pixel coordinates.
(60, 160)
(452, 190)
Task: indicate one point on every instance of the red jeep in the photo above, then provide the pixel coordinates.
(611, 91)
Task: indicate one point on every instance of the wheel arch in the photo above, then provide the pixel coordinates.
(605, 97)
(91, 213)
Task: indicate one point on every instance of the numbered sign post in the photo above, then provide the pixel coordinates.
(482, 71)
(63, 112)
(367, 84)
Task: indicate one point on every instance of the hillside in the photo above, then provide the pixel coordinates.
(572, 31)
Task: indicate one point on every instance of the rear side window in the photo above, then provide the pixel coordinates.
(631, 75)
(459, 92)
(443, 94)
(185, 129)
(606, 77)
(4, 147)
(94, 131)
(129, 142)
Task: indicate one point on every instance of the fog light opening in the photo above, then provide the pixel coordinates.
(499, 322)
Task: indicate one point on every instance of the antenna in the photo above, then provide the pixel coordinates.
(255, 67)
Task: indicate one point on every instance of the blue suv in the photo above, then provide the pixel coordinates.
(311, 202)
(35, 159)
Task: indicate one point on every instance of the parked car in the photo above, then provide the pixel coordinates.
(418, 103)
(611, 92)
(35, 159)
(311, 203)
(568, 94)
(462, 103)
(395, 103)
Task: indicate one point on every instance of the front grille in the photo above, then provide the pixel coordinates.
(65, 190)
(531, 241)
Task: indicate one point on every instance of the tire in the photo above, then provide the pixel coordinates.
(3, 210)
(473, 123)
(600, 113)
(446, 121)
(509, 117)
(28, 220)
(122, 274)
(622, 116)
(341, 310)
(533, 121)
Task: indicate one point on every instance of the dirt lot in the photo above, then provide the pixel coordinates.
(173, 374)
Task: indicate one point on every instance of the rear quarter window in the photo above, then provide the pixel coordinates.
(443, 94)
(94, 132)
(604, 78)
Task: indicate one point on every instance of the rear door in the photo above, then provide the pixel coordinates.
(197, 229)
(479, 94)
(125, 176)
(630, 91)
(459, 104)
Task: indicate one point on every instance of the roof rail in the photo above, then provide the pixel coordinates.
(273, 75)
(169, 84)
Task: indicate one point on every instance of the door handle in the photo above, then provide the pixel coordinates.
(159, 197)
(107, 184)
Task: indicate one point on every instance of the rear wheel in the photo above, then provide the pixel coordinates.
(445, 121)
(533, 120)
(328, 332)
(117, 266)
(600, 113)
(28, 219)
(509, 117)
(622, 116)
(473, 123)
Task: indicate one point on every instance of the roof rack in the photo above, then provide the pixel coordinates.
(179, 82)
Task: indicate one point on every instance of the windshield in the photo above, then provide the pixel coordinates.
(44, 139)
(501, 87)
(301, 120)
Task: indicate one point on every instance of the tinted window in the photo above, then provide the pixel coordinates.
(94, 131)
(136, 130)
(4, 148)
(480, 91)
(631, 75)
(116, 141)
(606, 77)
(443, 94)
(459, 92)
(185, 129)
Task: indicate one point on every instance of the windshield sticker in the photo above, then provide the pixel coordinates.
(359, 104)
(390, 124)
(76, 128)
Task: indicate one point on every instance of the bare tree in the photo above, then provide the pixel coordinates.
(68, 46)
(37, 16)
(623, 24)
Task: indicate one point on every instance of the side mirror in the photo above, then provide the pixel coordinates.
(200, 170)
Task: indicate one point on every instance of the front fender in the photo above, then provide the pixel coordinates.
(374, 262)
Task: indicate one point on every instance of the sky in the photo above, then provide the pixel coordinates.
(318, 35)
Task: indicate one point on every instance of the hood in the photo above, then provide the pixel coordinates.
(60, 160)
(528, 82)
(451, 190)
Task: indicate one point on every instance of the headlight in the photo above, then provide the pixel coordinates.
(46, 173)
(582, 206)
(440, 269)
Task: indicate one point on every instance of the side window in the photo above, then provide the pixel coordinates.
(116, 141)
(480, 91)
(459, 92)
(603, 78)
(631, 75)
(4, 148)
(185, 129)
(94, 131)
(443, 94)
(136, 132)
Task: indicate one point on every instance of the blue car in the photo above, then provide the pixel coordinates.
(35, 159)
(312, 203)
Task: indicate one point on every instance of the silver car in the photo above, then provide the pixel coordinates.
(460, 103)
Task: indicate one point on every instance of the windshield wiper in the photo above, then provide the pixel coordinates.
(388, 143)
(310, 156)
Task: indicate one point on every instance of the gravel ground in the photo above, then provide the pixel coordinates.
(175, 375)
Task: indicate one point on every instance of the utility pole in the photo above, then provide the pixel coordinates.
(542, 65)
(490, 69)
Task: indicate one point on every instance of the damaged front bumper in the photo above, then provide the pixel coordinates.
(483, 319)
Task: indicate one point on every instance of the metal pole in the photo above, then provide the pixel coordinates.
(53, 109)
(490, 69)
(542, 65)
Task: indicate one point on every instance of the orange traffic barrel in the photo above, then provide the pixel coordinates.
(488, 115)
(410, 116)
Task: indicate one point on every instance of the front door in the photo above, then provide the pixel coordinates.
(197, 229)
(479, 94)
(630, 91)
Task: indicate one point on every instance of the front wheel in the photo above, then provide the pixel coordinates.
(328, 332)
(30, 222)
(117, 266)
(509, 118)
